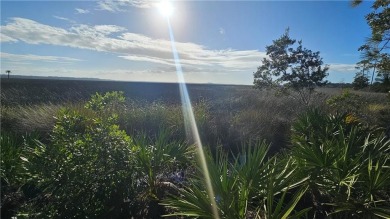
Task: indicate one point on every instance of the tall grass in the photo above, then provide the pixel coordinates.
(107, 157)
(28, 119)
(12, 172)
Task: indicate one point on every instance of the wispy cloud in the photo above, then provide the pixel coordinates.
(121, 5)
(30, 57)
(64, 19)
(343, 68)
(82, 11)
(6, 39)
(134, 47)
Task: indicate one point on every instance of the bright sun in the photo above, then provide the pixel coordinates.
(165, 8)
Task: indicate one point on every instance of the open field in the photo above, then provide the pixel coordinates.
(35, 91)
(228, 114)
(62, 115)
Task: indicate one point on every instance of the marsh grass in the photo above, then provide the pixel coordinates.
(146, 140)
(28, 119)
(370, 108)
(226, 115)
(13, 174)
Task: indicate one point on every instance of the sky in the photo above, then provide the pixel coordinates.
(221, 42)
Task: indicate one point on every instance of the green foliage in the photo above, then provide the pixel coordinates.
(12, 173)
(346, 165)
(287, 67)
(87, 169)
(241, 187)
(110, 101)
(161, 165)
(375, 50)
(92, 169)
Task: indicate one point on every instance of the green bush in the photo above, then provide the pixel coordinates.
(346, 165)
(86, 171)
(92, 169)
(108, 103)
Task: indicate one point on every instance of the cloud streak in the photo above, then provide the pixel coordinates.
(81, 11)
(131, 46)
(30, 57)
(121, 5)
(345, 68)
(64, 19)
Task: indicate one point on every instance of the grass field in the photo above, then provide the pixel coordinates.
(235, 113)
(228, 117)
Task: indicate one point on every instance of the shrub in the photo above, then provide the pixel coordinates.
(88, 168)
(347, 102)
(334, 153)
(107, 103)
(86, 171)
(92, 169)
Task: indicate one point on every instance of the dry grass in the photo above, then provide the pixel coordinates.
(226, 115)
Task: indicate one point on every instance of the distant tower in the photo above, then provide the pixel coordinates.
(8, 72)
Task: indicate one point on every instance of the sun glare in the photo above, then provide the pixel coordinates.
(165, 8)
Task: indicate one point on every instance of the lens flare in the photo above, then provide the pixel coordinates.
(190, 123)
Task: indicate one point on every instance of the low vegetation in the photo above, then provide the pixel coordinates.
(111, 156)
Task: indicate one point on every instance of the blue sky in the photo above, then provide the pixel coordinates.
(218, 41)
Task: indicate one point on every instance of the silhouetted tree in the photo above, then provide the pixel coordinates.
(361, 78)
(291, 70)
(376, 49)
(360, 81)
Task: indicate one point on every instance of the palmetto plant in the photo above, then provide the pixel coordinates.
(242, 186)
(160, 164)
(347, 165)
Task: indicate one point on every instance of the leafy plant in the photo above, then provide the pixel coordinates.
(88, 168)
(335, 153)
(161, 165)
(91, 168)
(109, 101)
(241, 186)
